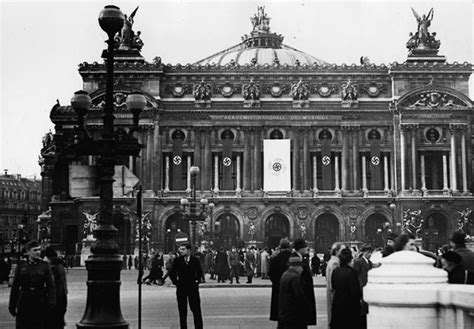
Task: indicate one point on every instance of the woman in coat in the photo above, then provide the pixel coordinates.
(55, 318)
(222, 266)
(345, 311)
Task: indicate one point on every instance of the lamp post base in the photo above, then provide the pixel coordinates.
(103, 293)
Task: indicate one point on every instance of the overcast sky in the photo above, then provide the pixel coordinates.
(42, 44)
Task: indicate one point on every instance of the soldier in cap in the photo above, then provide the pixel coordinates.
(33, 292)
(294, 308)
(301, 251)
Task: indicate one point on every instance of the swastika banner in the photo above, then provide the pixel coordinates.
(276, 165)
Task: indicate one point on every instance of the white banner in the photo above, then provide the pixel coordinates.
(276, 165)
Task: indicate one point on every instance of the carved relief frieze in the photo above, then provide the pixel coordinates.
(227, 89)
(178, 89)
(325, 89)
(251, 93)
(373, 89)
(433, 99)
(202, 94)
(300, 94)
(349, 95)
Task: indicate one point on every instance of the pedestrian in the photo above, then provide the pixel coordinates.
(234, 265)
(124, 262)
(168, 265)
(222, 265)
(258, 257)
(294, 308)
(55, 318)
(315, 264)
(130, 262)
(4, 271)
(277, 266)
(250, 263)
(186, 274)
(301, 250)
(135, 262)
(457, 273)
(331, 265)
(389, 247)
(155, 275)
(362, 266)
(458, 242)
(265, 259)
(405, 241)
(208, 262)
(345, 308)
(32, 293)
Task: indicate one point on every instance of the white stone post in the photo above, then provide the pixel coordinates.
(167, 174)
(403, 292)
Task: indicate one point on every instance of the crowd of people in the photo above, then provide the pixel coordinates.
(38, 297)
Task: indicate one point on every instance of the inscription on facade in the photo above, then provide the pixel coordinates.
(277, 117)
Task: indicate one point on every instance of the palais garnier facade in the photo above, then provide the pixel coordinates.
(368, 143)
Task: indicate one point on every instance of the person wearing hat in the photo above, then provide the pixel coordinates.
(345, 308)
(301, 251)
(389, 247)
(277, 266)
(294, 308)
(362, 266)
(33, 292)
(55, 318)
(451, 263)
(332, 264)
(458, 242)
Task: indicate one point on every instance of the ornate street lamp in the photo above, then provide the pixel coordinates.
(192, 216)
(104, 264)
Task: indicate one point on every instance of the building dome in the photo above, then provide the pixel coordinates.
(261, 47)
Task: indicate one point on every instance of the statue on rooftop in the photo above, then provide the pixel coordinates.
(260, 20)
(126, 38)
(422, 39)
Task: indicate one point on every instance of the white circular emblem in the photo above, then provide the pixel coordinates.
(375, 160)
(227, 161)
(326, 160)
(177, 160)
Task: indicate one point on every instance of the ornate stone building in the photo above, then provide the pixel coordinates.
(368, 143)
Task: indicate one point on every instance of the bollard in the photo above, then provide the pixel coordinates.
(403, 292)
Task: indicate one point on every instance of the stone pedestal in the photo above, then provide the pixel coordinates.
(86, 248)
(403, 292)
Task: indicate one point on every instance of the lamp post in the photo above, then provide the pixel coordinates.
(192, 216)
(104, 264)
(211, 206)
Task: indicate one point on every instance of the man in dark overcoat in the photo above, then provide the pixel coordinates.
(362, 266)
(301, 251)
(294, 308)
(278, 265)
(33, 293)
(186, 274)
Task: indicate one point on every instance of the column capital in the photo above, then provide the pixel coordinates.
(409, 126)
(458, 126)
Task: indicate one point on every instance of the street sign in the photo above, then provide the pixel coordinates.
(181, 238)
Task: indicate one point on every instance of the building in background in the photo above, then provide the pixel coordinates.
(20, 205)
(370, 145)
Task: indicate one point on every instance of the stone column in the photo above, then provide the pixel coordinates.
(130, 162)
(423, 173)
(464, 161)
(306, 161)
(336, 173)
(364, 174)
(296, 161)
(238, 189)
(315, 174)
(345, 158)
(355, 157)
(385, 173)
(257, 160)
(454, 187)
(445, 173)
(207, 173)
(407, 285)
(216, 173)
(157, 157)
(197, 153)
(167, 173)
(247, 163)
(414, 157)
(188, 175)
(403, 160)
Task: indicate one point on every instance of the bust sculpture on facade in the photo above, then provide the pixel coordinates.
(349, 93)
(90, 224)
(251, 93)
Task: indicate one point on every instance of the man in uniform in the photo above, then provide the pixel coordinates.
(33, 291)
